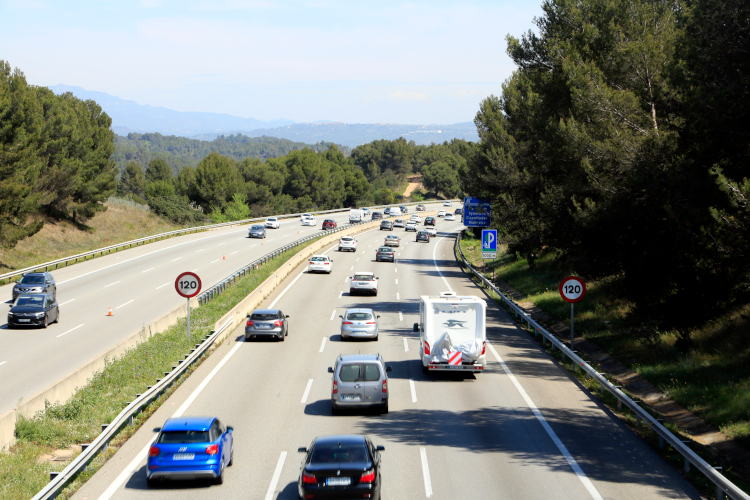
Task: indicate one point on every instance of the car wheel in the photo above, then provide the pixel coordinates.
(220, 478)
(231, 455)
(335, 410)
(376, 338)
(384, 409)
(376, 293)
(46, 321)
(247, 338)
(11, 327)
(282, 337)
(151, 483)
(57, 318)
(425, 370)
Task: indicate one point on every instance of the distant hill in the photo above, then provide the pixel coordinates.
(129, 116)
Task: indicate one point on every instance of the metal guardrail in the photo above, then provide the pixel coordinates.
(55, 264)
(723, 485)
(60, 480)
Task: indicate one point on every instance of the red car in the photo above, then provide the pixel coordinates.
(329, 224)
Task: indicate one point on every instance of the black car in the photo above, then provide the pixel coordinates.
(404, 210)
(269, 323)
(423, 236)
(377, 216)
(35, 283)
(429, 221)
(34, 310)
(340, 466)
(387, 225)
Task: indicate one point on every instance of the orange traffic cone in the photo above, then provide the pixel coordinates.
(261, 242)
(110, 312)
(224, 257)
(297, 232)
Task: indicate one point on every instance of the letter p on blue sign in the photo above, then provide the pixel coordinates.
(489, 243)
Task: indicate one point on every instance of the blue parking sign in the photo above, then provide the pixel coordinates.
(489, 243)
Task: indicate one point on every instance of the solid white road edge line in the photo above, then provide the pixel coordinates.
(426, 473)
(149, 269)
(406, 345)
(199, 251)
(307, 389)
(276, 476)
(178, 258)
(413, 389)
(126, 303)
(560, 446)
(76, 328)
(323, 344)
(333, 314)
(162, 286)
(132, 466)
(68, 302)
(285, 290)
(106, 286)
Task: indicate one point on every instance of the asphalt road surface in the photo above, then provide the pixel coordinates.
(138, 284)
(522, 429)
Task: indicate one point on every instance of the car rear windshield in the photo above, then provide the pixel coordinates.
(264, 317)
(319, 259)
(359, 316)
(328, 220)
(350, 373)
(32, 280)
(347, 239)
(363, 277)
(337, 453)
(372, 373)
(385, 250)
(177, 437)
(30, 301)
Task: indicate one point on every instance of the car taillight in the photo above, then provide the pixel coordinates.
(308, 478)
(250, 323)
(325, 263)
(348, 323)
(335, 387)
(153, 451)
(212, 449)
(385, 386)
(371, 323)
(426, 348)
(484, 347)
(277, 323)
(368, 477)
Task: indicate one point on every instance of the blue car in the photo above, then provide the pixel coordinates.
(190, 448)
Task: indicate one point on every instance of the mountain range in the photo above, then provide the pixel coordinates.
(129, 116)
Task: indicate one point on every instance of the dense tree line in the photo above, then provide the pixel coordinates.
(54, 157)
(621, 144)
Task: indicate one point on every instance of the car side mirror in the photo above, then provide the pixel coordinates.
(388, 369)
(377, 278)
(340, 316)
(416, 327)
(377, 316)
(330, 369)
(230, 428)
(157, 429)
(286, 316)
(380, 448)
(302, 450)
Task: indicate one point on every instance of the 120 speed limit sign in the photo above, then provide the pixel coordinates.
(188, 284)
(572, 289)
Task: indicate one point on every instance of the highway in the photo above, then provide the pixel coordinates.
(522, 429)
(138, 285)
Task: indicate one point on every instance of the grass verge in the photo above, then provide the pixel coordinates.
(721, 351)
(23, 474)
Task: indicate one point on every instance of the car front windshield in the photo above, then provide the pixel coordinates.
(30, 301)
(363, 277)
(178, 437)
(272, 219)
(337, 453)
(257, 228)
(32, 280)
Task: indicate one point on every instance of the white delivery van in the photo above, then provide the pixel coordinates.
(395, 212)
(452, 332)
(355, 215)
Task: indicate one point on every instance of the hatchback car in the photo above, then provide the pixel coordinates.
(421, 208)
(267, 323)
(347, 243)
(320, 263)
(404, 210)
(450, 216)
(423, 236)
(377, 215)
(411, 226)
(329, 224)
(363, 283)
(459, 211)
(431, 231)
(305, 216)
(34, 310)
(386, 225)
(385, 253)
(447, 204)
(429, 221)
(392, 241)
(343, 466)
(398, 222)
(309, 221)
(359, 380)
(387, 212)
(359, 324)
(256, 231)
(366, 211)
(272, 223)
(190, 448)
(416, 218)
(441, 213)
(35, 283)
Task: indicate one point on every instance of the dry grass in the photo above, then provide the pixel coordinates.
(59, 239)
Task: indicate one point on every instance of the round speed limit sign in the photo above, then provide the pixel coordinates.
(572, 289)
(188, 284)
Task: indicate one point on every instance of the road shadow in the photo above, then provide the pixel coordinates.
(290, 492)
(137, 481)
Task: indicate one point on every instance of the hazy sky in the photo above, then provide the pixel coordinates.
(381, 61)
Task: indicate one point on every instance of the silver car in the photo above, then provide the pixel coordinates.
(359, 324)
(256, 231)
(267, 323)
(359, 381)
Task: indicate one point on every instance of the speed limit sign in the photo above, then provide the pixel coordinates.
(572, 289)
(188, 284)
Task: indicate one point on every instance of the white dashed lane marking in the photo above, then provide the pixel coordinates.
(107, 286)
(162, 286)
(323, 344)
(76, 328)
(149, 269)
(126, 303)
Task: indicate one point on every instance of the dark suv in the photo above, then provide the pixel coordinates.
(34, 310)
(35, 283)
(387, 225)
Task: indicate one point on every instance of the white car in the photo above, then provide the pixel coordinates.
(366, 211)
(411, 226)
(363, 283)
(347, 243)
(431, 231)
(450, 216)
(447, 204)
(398, 222)
(272, 222)
(320, 264)
(309, 221)
(305, 216)
(416, 218)
(441, 213)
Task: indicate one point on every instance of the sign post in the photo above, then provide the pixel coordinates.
(572, 289)
(188, 285)
(489, 246)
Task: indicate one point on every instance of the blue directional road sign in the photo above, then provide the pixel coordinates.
(489, 243)
(476, 212)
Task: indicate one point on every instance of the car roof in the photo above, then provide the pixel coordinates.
(188, 424)
(360, 310)
(340, 438)
(265, 311)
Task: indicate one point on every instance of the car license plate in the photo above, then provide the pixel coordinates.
(358, 331)
(264, 325)
(24, 320)
(338, 481)
(455, 367)
(350, 397)
(363, 284)
(183, 456)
